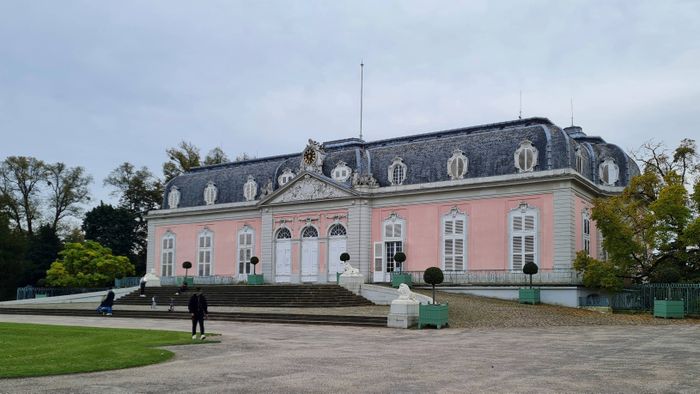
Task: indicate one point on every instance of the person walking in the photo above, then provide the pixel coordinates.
(142, 286)
(198, 310)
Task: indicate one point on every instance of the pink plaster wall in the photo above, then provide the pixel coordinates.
(225, 240)
(580, 205)
(487, 231)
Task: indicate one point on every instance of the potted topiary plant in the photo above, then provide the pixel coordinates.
(400, 277)
(254, 279)
(190, 281)
(344, 257)
(529, 295)
(434, 313)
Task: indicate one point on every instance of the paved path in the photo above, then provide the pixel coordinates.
(296, 358)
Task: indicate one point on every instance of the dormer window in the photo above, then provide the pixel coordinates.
(579, 160)
(609, 172)
(250, 189)
(173, 197)
(457, 165)
(341, 172)
(397, 172)
(526, 157)
(286, 176)
(210, 193)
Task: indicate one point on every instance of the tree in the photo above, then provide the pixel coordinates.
(115, 228)
(244, 156)
(399, 258)
(186, 265)
(433, 276)
(20, 180)
(216, 156)
(68, 188)
(652, 228)
(12, 251)
(87, 264)
(43, 248)
(254, 260)
(181, 158)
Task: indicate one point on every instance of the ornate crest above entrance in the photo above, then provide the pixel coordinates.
(308, 187)
(312, 158)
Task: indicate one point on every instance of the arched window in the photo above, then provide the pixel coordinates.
(523, 236)
(341, 172)
(457, 165)
(204, 252)
(454, 241)
(167, 254)
(250, 189)
(337, 230)
(210, 193)
(397, 171)
(284, 233)
(309, 232)
(579, 160)
(173, 197)
(609, 172)
(525, 157)
(286, 176)
(586, 230)
(393, 236)
(246, 245)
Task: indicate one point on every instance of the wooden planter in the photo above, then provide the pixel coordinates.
(529, 296)
(669, 309)
(255, 279)
(434, 314)
(397, 279)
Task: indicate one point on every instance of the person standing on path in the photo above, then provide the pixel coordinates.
(198, 309)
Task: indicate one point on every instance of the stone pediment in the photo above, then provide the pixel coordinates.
(308, 188)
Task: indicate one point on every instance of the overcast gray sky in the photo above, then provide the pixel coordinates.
(98, 83)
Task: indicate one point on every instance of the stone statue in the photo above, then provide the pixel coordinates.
(267, 189)
(405, 293)
(349, 270)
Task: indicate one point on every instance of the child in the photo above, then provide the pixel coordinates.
(171, 308)
(153, 302)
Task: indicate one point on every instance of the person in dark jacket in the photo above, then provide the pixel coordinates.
(107, 303)
(198, 309)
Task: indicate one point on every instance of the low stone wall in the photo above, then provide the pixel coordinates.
(67, 299)
(556, 295)
(383, 295)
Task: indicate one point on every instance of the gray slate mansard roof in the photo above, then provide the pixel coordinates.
(489, 149)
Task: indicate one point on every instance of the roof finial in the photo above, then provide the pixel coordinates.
(362, 83)
(572, 111)
(520, 114)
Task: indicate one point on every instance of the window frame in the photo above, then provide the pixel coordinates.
(168, 236)
(457, 155)
(397, 165)
(244, 264)
(453, 216)
(203, 249)
(393, 241)
(525, 146)
(211, 192)
(523, 210)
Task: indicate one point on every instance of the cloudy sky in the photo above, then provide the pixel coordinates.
(99, 83)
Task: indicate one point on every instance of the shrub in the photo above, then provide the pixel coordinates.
(186, 265)
(399, 258)
(530, 268)
(344, 257)
(433, 276)
(254, 260)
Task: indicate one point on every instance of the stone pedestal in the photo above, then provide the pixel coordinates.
(152, 280)
(351, 282)
(403, 313)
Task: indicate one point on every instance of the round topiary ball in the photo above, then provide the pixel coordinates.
(400, 257)
(344, 256)
(433, 276)
(530, 268)
(186, 265)
(254, 260)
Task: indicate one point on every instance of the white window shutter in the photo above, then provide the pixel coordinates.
(378, 256)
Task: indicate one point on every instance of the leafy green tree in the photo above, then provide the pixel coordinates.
(12, 251)
(114, 228)
(87, 264)
(216, 156)
(43, 249)
(651, 230)
(20, 183)
(180, 159)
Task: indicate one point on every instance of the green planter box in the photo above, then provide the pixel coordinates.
(255, 279)
(529, 296)
(39, 295)
(669, 309)
(434, 314)
(397, 279)
(189, 280)
(337, 277)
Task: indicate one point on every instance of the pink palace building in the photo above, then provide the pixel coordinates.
(479, 202)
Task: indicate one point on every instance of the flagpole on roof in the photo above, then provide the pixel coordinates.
(362, 83)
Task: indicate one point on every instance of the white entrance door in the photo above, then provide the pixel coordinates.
(283, 261)
(336, 246)
(309, 254)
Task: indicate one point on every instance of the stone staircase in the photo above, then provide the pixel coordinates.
(287, 296)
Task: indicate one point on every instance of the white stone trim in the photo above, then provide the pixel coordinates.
(250, 189)
(526, 147)
(203, 233)
(454, 173)
(397, 165)
(613, 172)
(210, 193)
(523, 211)
(453, 216)
(173, 197)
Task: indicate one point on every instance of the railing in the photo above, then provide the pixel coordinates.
(504, 277)
(129, 281)
(642, 297)
(27, 292)
(199, 280)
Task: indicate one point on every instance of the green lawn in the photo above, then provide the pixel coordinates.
(36, 350)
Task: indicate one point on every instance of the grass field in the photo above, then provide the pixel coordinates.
(36, 350)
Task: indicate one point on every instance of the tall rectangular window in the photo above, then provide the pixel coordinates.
(167, 259)
(245, 250)
(454, 238)
(586, 231)
(523, 234)
(393, 242)
(204, 253)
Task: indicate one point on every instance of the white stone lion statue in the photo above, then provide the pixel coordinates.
(405, 293)
(349, 269)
